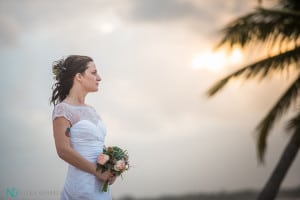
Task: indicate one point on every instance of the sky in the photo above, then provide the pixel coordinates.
(156, 62)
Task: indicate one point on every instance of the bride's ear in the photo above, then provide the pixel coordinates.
(78, 77)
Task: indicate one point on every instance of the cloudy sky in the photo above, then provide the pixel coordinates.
(156, 61)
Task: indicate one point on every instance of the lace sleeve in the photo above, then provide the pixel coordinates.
(60, 110)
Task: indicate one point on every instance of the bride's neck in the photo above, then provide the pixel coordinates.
(76, 97)
(75, 100)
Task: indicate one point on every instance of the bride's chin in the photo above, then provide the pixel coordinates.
(94, 90)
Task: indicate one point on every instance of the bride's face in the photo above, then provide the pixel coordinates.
(90, 78)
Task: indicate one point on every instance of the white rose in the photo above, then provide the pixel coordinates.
(120, 165)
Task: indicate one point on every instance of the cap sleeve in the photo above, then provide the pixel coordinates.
(61, 110)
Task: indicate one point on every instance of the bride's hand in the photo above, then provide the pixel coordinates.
(112, 179)
(103, 176)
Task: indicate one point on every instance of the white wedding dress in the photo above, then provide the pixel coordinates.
(87, 134)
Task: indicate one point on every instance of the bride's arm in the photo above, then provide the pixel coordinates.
(68, 154)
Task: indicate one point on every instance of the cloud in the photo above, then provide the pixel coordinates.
(56, 15)
(168, 10)
(203, 18)
(175, 10)
(10, 31)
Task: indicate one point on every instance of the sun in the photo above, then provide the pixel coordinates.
(216, 60)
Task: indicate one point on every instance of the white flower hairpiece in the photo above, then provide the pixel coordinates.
(58, 69)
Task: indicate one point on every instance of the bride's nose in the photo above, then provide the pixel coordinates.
(98, 78)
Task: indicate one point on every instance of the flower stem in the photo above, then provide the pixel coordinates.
(105, 186)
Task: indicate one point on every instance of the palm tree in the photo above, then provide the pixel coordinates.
(272, 28)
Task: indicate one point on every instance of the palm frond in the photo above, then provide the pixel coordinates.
(261, 69)
(282, 105)
(294, 122)
(287, 12)
(290, 4)
(262, 25)
(218, 86)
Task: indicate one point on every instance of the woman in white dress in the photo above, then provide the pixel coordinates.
(78, 131)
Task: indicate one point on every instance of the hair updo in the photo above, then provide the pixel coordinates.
(64, 71)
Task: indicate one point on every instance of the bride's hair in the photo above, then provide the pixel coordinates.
(64, 71)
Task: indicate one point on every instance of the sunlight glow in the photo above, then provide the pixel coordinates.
(236, 56)
(107, 27)
(106, 24)
(216, 60)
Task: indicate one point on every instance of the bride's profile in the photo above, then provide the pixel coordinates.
(79, 133)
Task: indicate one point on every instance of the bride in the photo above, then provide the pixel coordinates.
(78, 131)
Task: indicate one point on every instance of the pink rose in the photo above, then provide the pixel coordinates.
(120, 165)
(102, 159)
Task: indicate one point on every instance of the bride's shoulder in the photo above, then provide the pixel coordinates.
(61, 105)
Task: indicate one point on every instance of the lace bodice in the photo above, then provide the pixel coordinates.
(87, 136)
(75, 114)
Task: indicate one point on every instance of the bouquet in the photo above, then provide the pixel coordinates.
(114, 159)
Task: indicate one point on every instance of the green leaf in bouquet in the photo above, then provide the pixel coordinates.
(103, 170)
(98, 167)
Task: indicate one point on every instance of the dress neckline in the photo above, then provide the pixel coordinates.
(79, 106)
